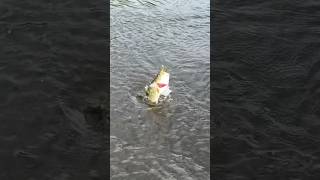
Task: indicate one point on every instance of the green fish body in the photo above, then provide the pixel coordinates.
(159, 86)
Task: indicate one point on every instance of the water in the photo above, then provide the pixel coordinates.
(53, 90)
(172, 141)
(266, 90)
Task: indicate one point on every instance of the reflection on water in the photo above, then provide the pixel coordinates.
(170, 141)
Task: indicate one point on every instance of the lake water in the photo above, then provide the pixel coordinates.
(266, 90)
(169, 142)
(53, 90)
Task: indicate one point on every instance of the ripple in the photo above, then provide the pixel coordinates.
(171, 141)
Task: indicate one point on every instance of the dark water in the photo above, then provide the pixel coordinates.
(172, 142)
(266, 90)
(53, 67)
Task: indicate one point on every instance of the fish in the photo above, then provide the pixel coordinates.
(159, 86)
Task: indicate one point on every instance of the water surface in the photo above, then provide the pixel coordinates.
(53, 61)
(171, 142)
(266, 90)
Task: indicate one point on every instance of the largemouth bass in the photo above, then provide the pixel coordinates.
(159, 86)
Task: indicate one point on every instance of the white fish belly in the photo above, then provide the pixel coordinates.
(165, 79)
